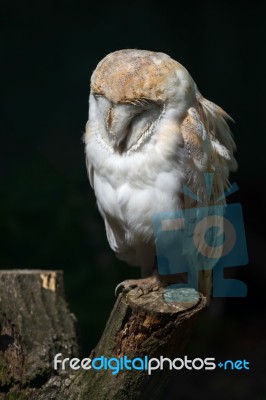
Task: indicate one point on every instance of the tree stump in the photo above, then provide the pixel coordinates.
(36, 324)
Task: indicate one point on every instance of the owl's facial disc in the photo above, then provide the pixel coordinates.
(126, 123)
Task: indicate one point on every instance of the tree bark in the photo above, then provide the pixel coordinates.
(36, 324)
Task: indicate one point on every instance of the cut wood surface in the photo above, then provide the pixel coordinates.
(36, 324)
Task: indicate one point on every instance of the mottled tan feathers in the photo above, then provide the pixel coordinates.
(126, 75)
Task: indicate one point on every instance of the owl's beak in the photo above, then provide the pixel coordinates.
(110, 118)
(116, 125)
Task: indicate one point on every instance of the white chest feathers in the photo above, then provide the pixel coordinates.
(131, 188)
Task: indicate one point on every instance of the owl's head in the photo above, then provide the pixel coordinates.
(132, 90)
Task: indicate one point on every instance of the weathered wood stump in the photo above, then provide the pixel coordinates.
(36, 324)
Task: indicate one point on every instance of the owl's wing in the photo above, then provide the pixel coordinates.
(209, 144)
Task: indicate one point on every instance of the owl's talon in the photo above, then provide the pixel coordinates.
(121, 285)
(143, 286)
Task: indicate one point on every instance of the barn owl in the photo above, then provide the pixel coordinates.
(149, 133)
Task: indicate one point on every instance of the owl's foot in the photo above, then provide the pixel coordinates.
(144, 286)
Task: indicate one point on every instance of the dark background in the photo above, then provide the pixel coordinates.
(48, 215)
